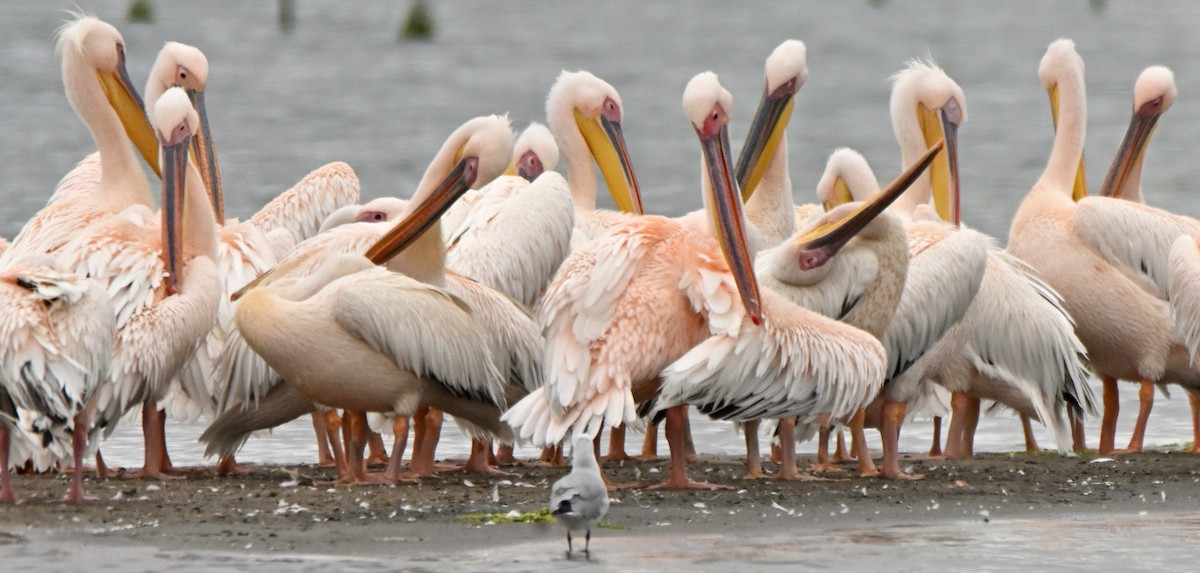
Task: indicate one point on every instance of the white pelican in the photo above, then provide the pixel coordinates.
(1035, 365)
(162, 279)
(56, 344)
(98, 89)
(584, 113)
(861, 286)
(381, 315)
(1108, 257)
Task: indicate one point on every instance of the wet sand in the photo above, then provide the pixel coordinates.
(287, 511)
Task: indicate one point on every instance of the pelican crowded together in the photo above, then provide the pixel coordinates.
(498, 293)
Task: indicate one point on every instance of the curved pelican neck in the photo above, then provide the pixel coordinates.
(771, 209)
(123, 183)
(200, 222)
(425, 259)
(574, 152)
(912, 146)
(1070, 133)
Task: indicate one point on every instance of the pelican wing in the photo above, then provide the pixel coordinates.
(121, 253)
(796, 363)
(945, 269)
(515, 245)
(1184, 272)
(80, 181)
(425, 330)
(514, 338)
(1133, 236)
(56, 343)
(303, 208)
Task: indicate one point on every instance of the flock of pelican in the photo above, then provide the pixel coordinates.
(499, 293)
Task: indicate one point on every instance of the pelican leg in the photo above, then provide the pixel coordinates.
(839, 453)
(504, 455)
(1031, 445)
(478, 462)
(935, 448)
(227, 466)
(616, 445)
(102, 469)
(551, 456)
(787, 443)
(650, 442)
(678, 479)
(893, 417)
(1078, 435)
(1194, 401)
(160, 418)
(858, 445)
(1112, 408)
(422, 464)
(960, 438)
(399, 443)
(333, 435)
(689, 445)
(754, 468)
(324, 457)
(6, 490)
(1145, 403)
(379, 455)
(823, 463)
(152, 467)
(78, 444)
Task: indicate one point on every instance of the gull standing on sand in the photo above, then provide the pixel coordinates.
(579, 500)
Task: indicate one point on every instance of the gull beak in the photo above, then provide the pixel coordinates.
(423, 215)
(1079, 191)
(607, 144)
(175, 164)
(729, 224)
(126, 102)
(206, 157)
(822, 243)
(766, 130)
(1132, 149)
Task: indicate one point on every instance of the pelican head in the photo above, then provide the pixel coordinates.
(848, 177)
(381, 210)
(184, 66)
(1153, 95)
(534, 153)
(1062, 62)
(786, 72)
(175, 122)
(472, 156)
(821, 242)
(101, 46)
(706, 104)
(940, 107)
(583, 106)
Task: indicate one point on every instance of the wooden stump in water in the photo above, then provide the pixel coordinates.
(418, 25)
(140, 11)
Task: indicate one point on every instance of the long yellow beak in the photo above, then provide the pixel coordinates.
(607, 144)
(822, 243)
(1131, 152)
(460, 178)
(175, 164)
(943, 174)
(729, 223)
(841, 194)
(766, 130)
(126, 101)
(1079, 191)
(206, 158)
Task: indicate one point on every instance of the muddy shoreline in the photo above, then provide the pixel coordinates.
(288, 510)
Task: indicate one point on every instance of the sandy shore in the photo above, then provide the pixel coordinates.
(288, 510)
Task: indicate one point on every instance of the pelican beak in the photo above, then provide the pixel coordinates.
(766, 130)
(841, 194)
(822, 243)
(126, 102)
(943, 174)
(1080, 189)
(510, 171)
(206, 157)
(175, 164)
(729, 224)
(607, 144)
(1132, 149)
(423, 215)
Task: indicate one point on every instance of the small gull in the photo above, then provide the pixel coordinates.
(580, 499)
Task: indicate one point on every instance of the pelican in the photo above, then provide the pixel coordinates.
(162, 279)
(99, 90)
(584, 113)
(1109, 255)
(1035, 365)
(56, 344)
(399, 369)
(861, 286)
